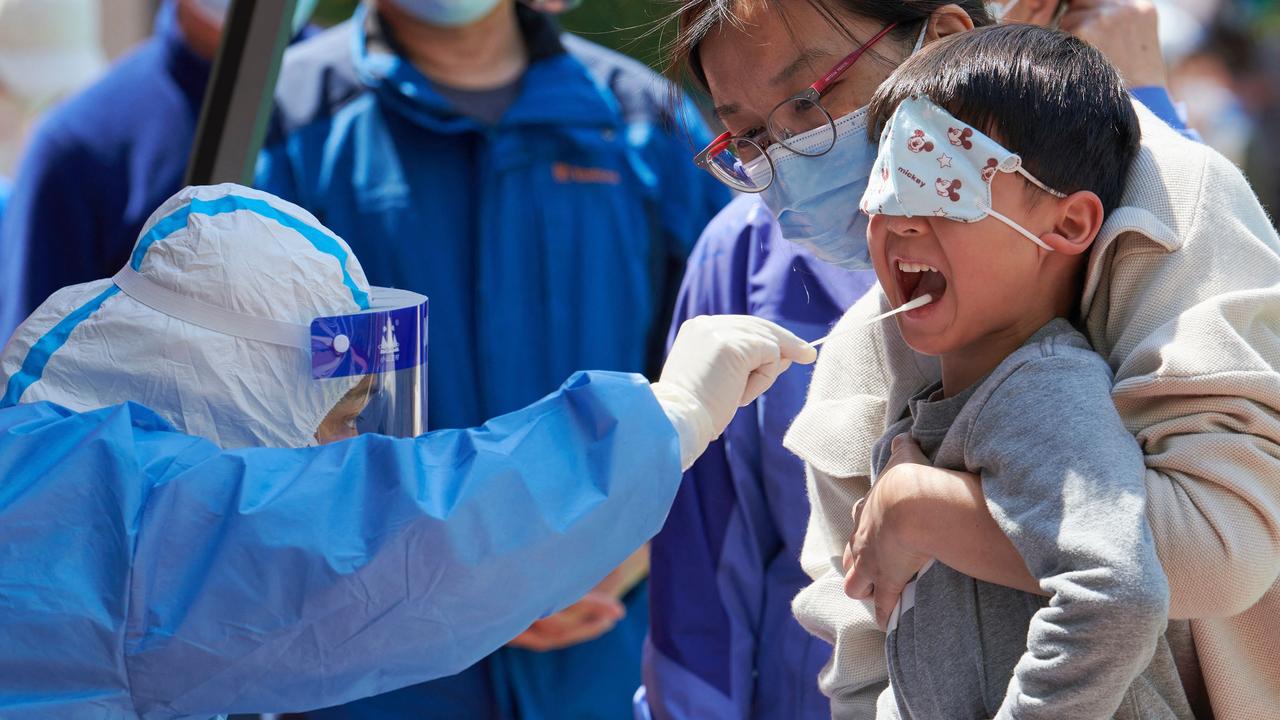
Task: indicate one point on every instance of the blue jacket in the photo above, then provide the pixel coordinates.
(94, 170)
(723, 642)
(546, 242)
(145, 573)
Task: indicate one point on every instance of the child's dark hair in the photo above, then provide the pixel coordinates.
(1041, 93)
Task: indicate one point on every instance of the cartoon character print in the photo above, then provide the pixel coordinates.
(960, 138)
(919, 142)
(949, 190)
(990, 170)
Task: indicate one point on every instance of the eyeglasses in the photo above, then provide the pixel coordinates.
(799, 123)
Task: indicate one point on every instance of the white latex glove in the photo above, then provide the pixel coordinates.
(717, 364)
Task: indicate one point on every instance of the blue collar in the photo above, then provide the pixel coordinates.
(556, 88)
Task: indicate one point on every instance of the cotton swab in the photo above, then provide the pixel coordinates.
(918, 302)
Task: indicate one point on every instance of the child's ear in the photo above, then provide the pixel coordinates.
(1079, 218)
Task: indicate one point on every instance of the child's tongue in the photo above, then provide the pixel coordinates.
(932, 283)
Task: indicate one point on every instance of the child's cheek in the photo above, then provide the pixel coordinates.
(875, 247)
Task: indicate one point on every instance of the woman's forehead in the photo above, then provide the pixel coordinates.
(774, 52)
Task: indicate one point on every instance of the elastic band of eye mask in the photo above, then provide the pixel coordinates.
(1025, 232)
(1035, 181)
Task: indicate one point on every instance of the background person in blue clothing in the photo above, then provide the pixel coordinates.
(99, 164)
(723, 642)
(537, 188)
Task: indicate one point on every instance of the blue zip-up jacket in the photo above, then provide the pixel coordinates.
(546, 242)
(723, 642)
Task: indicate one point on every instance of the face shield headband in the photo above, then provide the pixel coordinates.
(932, 164)
(381, 351)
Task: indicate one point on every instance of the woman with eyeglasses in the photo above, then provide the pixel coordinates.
(1177, 301)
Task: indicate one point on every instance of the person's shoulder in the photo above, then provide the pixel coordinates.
(132, 88)
(1170, 182)
(1056, 359)
(744, 218)
(642, 93)
(317, 76)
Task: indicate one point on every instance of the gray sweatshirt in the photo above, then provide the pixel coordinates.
(1064, 479)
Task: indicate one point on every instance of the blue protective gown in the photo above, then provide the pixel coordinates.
(723, 642)
(546, 242)
(146, 573)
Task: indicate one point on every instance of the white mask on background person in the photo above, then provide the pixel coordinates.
(447, 13)
(216, 11)
(213, 9)
(932, 164)
(999, 11)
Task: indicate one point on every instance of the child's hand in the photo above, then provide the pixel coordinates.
(878, 563)
(904, 449)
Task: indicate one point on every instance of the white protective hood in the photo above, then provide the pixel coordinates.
(92, 345)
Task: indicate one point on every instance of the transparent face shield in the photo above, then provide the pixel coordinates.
(375, 363)
(369, 367)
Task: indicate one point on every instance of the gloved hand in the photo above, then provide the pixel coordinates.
(717, 364)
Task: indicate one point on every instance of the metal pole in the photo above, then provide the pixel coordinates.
(239, 99)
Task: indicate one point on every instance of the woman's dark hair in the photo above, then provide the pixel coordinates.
(695, 18)
(1050, 97)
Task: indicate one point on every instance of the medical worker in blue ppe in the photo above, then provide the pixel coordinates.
(537, 188)
(723, 641)
(153, 574)
(98, 164)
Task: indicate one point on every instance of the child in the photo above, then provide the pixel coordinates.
(1006, 149)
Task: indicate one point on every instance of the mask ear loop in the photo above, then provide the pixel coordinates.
(1023, 231)
(920, 40)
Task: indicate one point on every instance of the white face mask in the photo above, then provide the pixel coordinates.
(448, 13)
(933, 165)
(999, 11)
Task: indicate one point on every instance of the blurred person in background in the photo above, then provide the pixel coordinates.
(723, 641)
(100, 163)
(48, 48)
(1224, 74)
(537, 187)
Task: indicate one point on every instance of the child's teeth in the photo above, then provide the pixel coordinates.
(915, 267)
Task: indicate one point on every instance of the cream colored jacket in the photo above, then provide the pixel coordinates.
(1182, 297)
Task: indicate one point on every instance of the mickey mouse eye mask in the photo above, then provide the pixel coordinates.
(931, 163)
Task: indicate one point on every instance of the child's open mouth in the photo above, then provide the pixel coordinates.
(916, 279)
